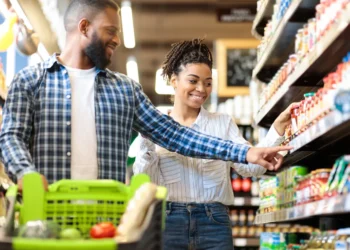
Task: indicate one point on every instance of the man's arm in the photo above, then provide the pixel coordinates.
(164, 131)
(17, 127)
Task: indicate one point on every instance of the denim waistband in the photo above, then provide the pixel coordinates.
(192, 206)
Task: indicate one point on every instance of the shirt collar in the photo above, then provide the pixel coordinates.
(202, 118)
(51, 61)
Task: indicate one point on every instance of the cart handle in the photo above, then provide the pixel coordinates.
(83, 186)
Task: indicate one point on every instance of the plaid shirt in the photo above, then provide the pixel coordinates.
(36, 132)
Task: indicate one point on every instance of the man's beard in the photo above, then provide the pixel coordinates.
(96, 51)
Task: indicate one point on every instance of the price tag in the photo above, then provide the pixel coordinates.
(255, 201)
(347, 203)
(240, 242)
(329, 207)
(238, 201)
(320, 207)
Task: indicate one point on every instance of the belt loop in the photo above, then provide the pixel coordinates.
(168, 208)
(169, 205)
(207, 210)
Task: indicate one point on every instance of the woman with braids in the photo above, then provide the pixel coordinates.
(199, 190)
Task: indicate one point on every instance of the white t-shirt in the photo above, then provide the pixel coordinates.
(84, 164)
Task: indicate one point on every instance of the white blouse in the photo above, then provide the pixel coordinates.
(199, 180)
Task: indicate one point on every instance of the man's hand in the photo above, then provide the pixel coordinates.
(268, 158)
(284, 119)
(20, 184)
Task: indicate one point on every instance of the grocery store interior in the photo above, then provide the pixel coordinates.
(267, 54)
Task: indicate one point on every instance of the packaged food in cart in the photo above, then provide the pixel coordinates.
(99, 214)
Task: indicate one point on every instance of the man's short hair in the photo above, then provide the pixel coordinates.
(78, 9)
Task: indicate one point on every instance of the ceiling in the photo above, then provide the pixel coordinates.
(159, 23)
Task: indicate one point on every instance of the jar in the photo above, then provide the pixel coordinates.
(301, 117)
(292, 63)
(305, 44)
(307, 189)
(312, 33)
(294, 119)
(288, 131)
(320, 19)
(321, 177)
(298, 41)
(307, 106)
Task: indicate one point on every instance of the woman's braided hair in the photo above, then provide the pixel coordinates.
(183, 53)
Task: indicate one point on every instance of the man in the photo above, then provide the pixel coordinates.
(70, 117)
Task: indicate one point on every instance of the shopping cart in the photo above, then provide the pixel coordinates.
(80, 205)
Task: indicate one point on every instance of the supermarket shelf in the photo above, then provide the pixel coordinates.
(246, 201)
(246, 242)
(333, 205)
(281, 44)
(329, 51)
(260, 21)
(323, 135)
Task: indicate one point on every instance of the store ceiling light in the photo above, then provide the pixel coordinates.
(132, 69)
(128, 25)
(19, 11)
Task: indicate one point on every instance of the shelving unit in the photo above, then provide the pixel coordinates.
(262, 17)
(332, 128)
(327, 138)
(329, 51)
(333, 205)
(246, 201)
(280, 44)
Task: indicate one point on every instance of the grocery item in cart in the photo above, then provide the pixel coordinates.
(40, 229)
(77, 204)
(135, 212)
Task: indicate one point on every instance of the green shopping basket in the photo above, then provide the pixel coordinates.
(80, 205)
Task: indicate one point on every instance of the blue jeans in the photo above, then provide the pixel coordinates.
(197, 226)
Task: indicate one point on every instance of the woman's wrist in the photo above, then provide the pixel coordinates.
(280, 127)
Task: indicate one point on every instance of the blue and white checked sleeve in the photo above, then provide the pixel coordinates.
(17, 127)
(164, 131)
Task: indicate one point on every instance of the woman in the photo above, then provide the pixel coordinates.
(199, 190)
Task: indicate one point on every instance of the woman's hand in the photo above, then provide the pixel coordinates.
(284, 119)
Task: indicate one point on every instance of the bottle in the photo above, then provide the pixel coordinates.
(236, 183)
(255, 187)
(251, 217)
(234, 217)
(242, 218)
(246, 185)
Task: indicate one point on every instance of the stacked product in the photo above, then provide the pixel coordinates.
(327, 12)
(324, 183)
(295, 187)
(288, 180)
(335, 239)
(280, 241)
(243, 223)
(279, 10)
(317, 105)
(279, 192)
(268, 194)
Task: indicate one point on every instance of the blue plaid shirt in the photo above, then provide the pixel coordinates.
(36, 132)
